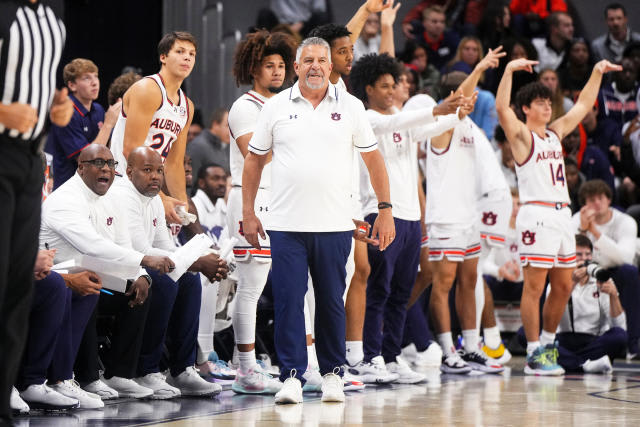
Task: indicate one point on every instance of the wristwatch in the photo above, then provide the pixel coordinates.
(146, 276)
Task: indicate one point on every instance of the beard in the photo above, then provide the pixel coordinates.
(314, 86)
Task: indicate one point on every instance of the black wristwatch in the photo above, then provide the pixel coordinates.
(146, 276)
(384, 205)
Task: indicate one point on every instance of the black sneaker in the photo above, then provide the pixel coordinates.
(480, 362)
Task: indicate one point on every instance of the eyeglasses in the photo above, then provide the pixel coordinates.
(99, 163)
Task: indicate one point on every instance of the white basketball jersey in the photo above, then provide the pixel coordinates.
(166, 124)
(490, 175)
(541, 176)
(451, 175)
(243, 117)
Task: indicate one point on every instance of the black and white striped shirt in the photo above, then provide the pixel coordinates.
(31, 42)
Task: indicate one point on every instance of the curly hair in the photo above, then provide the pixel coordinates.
(330, 32)
(368, 69)
(255, 47)
(530, 92)
(120, 86)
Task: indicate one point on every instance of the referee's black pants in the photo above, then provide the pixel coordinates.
(21, 177)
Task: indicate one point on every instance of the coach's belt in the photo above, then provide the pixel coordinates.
(555, 205)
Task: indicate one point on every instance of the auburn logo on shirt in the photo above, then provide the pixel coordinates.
(397, 137)
(155, 222)
(513, 248)
(240, 230)
(110, 220)
(335, 116)
(528, 238)
(489, 218)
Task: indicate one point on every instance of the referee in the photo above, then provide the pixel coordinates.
(313, 130)
(31, 42)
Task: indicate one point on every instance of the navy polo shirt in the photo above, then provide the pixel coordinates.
(65, 143)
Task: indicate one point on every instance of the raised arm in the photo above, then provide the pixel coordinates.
(357, 22)
(387, 18)
(491, 60)
(565, 124)
(515, 131)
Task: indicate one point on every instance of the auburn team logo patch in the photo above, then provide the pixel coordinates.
(397, 137)
(155, 222)
(513, 248)
(335, 116)
(489, 218)
(110, 220)
(528, 238)
(240, 230)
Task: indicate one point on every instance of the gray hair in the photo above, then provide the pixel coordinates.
(313, 41)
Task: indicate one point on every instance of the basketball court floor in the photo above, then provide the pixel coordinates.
(509, 399)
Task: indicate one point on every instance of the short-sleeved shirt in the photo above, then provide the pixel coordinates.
(65, 143)
(312, 167)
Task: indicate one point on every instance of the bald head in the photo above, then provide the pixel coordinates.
(94, 168)
(145, 171)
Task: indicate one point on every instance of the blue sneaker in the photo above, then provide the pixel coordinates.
(544, 361)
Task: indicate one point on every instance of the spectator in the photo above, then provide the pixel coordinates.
(120, 85)
(468, 54)
(212, 145)
(576, 66)
(529, 15)
(559, 103)
(196, 126)
(617, 100)
(301, 15)
(613, 234)
(417, 58)
(412, 80)
(592, 162)
(552, 48)
(574, 180)
(439, 42)
(605, 134)
(611, 45)
(633, 51)
(516, 48)
(505, 157)
(89, 123)
(414, 16)
(369, 40)
(495, 26)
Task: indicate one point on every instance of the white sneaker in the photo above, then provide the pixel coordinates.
(409, 353)
(41, 396)
(71, 388)
(598, 366)
(350, 382)
(313, 380)
(126, 387)
(405, 374)
(429, 358)
(255, 382)
(374, 372)
(158, 383)
(190, 383)
(332, 388)
(101, 389)
(291, 391)
(16, 403)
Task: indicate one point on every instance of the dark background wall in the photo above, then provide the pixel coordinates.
(116, 33)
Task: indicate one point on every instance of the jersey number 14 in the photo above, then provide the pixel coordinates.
(557, 175)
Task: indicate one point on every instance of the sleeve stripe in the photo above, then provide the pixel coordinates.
(258, 149)
(369, 146)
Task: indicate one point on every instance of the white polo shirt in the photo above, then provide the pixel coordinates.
(213, 218)
(313, 151)
(76, 221)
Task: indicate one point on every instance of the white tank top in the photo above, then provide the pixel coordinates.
(166, 124)
(451, 175)
(243, 118)
(541, 177)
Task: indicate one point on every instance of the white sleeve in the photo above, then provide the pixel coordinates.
(262, 139)
(364, 140)
(404, 120)
(620, 248)
(438, 127)
(162, 241)
(75, 228)
(243, 117)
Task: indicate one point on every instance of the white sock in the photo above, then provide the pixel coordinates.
(247, 360)
(470, 337)
(446, 342)
(355, 354)
(492, 337)
(312, 360)
(532, 346)
(547, 338)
